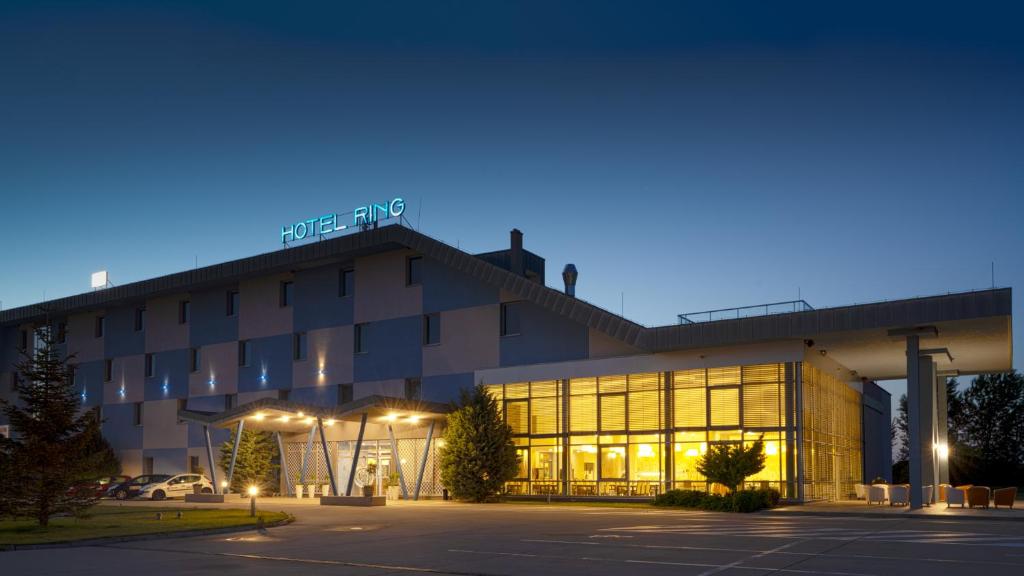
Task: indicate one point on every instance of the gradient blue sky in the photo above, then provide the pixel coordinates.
(691, 156)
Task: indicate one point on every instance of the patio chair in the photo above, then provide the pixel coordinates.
(860, 490)
(927, 493)
(899, 495)
(978, 496)
(876, 494)
(943, 490)
(1004, 496)
(956, 496)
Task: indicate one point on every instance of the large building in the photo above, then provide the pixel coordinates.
(350, 348)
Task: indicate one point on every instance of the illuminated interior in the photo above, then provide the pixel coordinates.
(641, 434)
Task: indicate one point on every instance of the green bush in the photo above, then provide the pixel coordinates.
(739, 501)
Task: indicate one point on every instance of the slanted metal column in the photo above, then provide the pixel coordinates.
(355, 455)
(396, 460)
(234, 453)
(327, 456)
(423, 463)
(284, 465)
(209, 458)
(308, 455)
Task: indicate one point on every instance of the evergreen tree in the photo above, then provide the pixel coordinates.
(479, 456)
(993, 429)
(256, 464)
(730, 464)
(55, 445)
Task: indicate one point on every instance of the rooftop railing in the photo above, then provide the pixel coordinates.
(745, 312)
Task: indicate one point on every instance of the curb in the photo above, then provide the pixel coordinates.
(895, 516)
(142, 537)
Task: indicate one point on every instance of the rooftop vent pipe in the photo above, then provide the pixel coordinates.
(569, 275)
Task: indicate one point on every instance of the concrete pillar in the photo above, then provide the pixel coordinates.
(941, 431)
(914, 418)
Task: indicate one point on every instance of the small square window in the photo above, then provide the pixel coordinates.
(101, 325)
(232, 303)
(412, 389)
(345, 393)
(194, 360)
(510, 315)
(299, 346)
(140, 319)
(150, 365)
(108, 370)
(414, 271)
(346, 282)
(431, 329)
(359, 338)
(184, 311)
(287, 290)
(244, 352)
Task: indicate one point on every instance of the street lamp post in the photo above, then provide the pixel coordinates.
(253, 491)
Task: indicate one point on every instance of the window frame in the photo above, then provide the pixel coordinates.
(300, 343)
(195, 360)
(359, 338)
(415, 384)
(149, 367)
(244, 352)
(139, 323)
(343, 289)
(409, 280)
(347, 387)
(504, 319)
(430, 320)
(138, 411)
(100, 328)
(231, 303)
(286, 293)
(184, 311)
(108, 369)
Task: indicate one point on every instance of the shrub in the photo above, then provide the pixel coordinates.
(740, 501)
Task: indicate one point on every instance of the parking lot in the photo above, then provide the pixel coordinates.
(449, 538)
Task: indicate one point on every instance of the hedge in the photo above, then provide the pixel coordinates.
(740, 501)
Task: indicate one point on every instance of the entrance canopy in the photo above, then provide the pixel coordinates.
(273, 415)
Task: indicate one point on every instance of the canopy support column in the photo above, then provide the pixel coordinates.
(209, 458)
(284, 465)
(234, 453)
(396, 462)
(355, 455)
(327, 456)
(307, 456)
(423, 463)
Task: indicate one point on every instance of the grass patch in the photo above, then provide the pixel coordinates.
(115, 521)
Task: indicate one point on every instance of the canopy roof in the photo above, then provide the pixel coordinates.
(271, 414)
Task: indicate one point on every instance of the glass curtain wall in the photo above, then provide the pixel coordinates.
(832, 454)
(639, 434)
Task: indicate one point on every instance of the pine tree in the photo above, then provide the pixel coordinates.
(730, 464)
(478, 456)
(55, 445)
(255, 464)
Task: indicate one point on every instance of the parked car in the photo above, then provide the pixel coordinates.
(131, 487)
(98, 487)
(176, 487)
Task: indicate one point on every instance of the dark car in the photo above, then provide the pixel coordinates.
(97, 488)
(131, 488)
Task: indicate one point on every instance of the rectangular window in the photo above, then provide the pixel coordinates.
(244, 352)
(287, 288)
(194, 360)
(346, 282)
(140, 319)
(193, 464)
(414, 271)
(147, 465)
(137, 414)
(231, 305)
(150, 366)
(230, 401)
(108, 370)
(431, 329)
(23, 340)
(62, 332)
(184, 311)
(359, 338)
(344, 393)
(101, 324)
(725, 406)
(182, 405)
(299, 346)
(510, 312)
(412, 388)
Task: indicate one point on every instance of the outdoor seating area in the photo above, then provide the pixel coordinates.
(966, 495)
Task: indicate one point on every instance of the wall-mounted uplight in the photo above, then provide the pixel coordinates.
(122, 392)
(166, 387)
(85, 395)
(321, 372)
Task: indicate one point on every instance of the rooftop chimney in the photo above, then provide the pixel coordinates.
(569, 275)
(515, 254)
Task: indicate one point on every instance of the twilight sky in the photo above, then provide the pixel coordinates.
(688, 156)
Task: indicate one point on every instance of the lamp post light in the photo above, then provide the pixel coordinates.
(253, 491)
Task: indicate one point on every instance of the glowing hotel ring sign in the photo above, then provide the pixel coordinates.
(361, 216)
